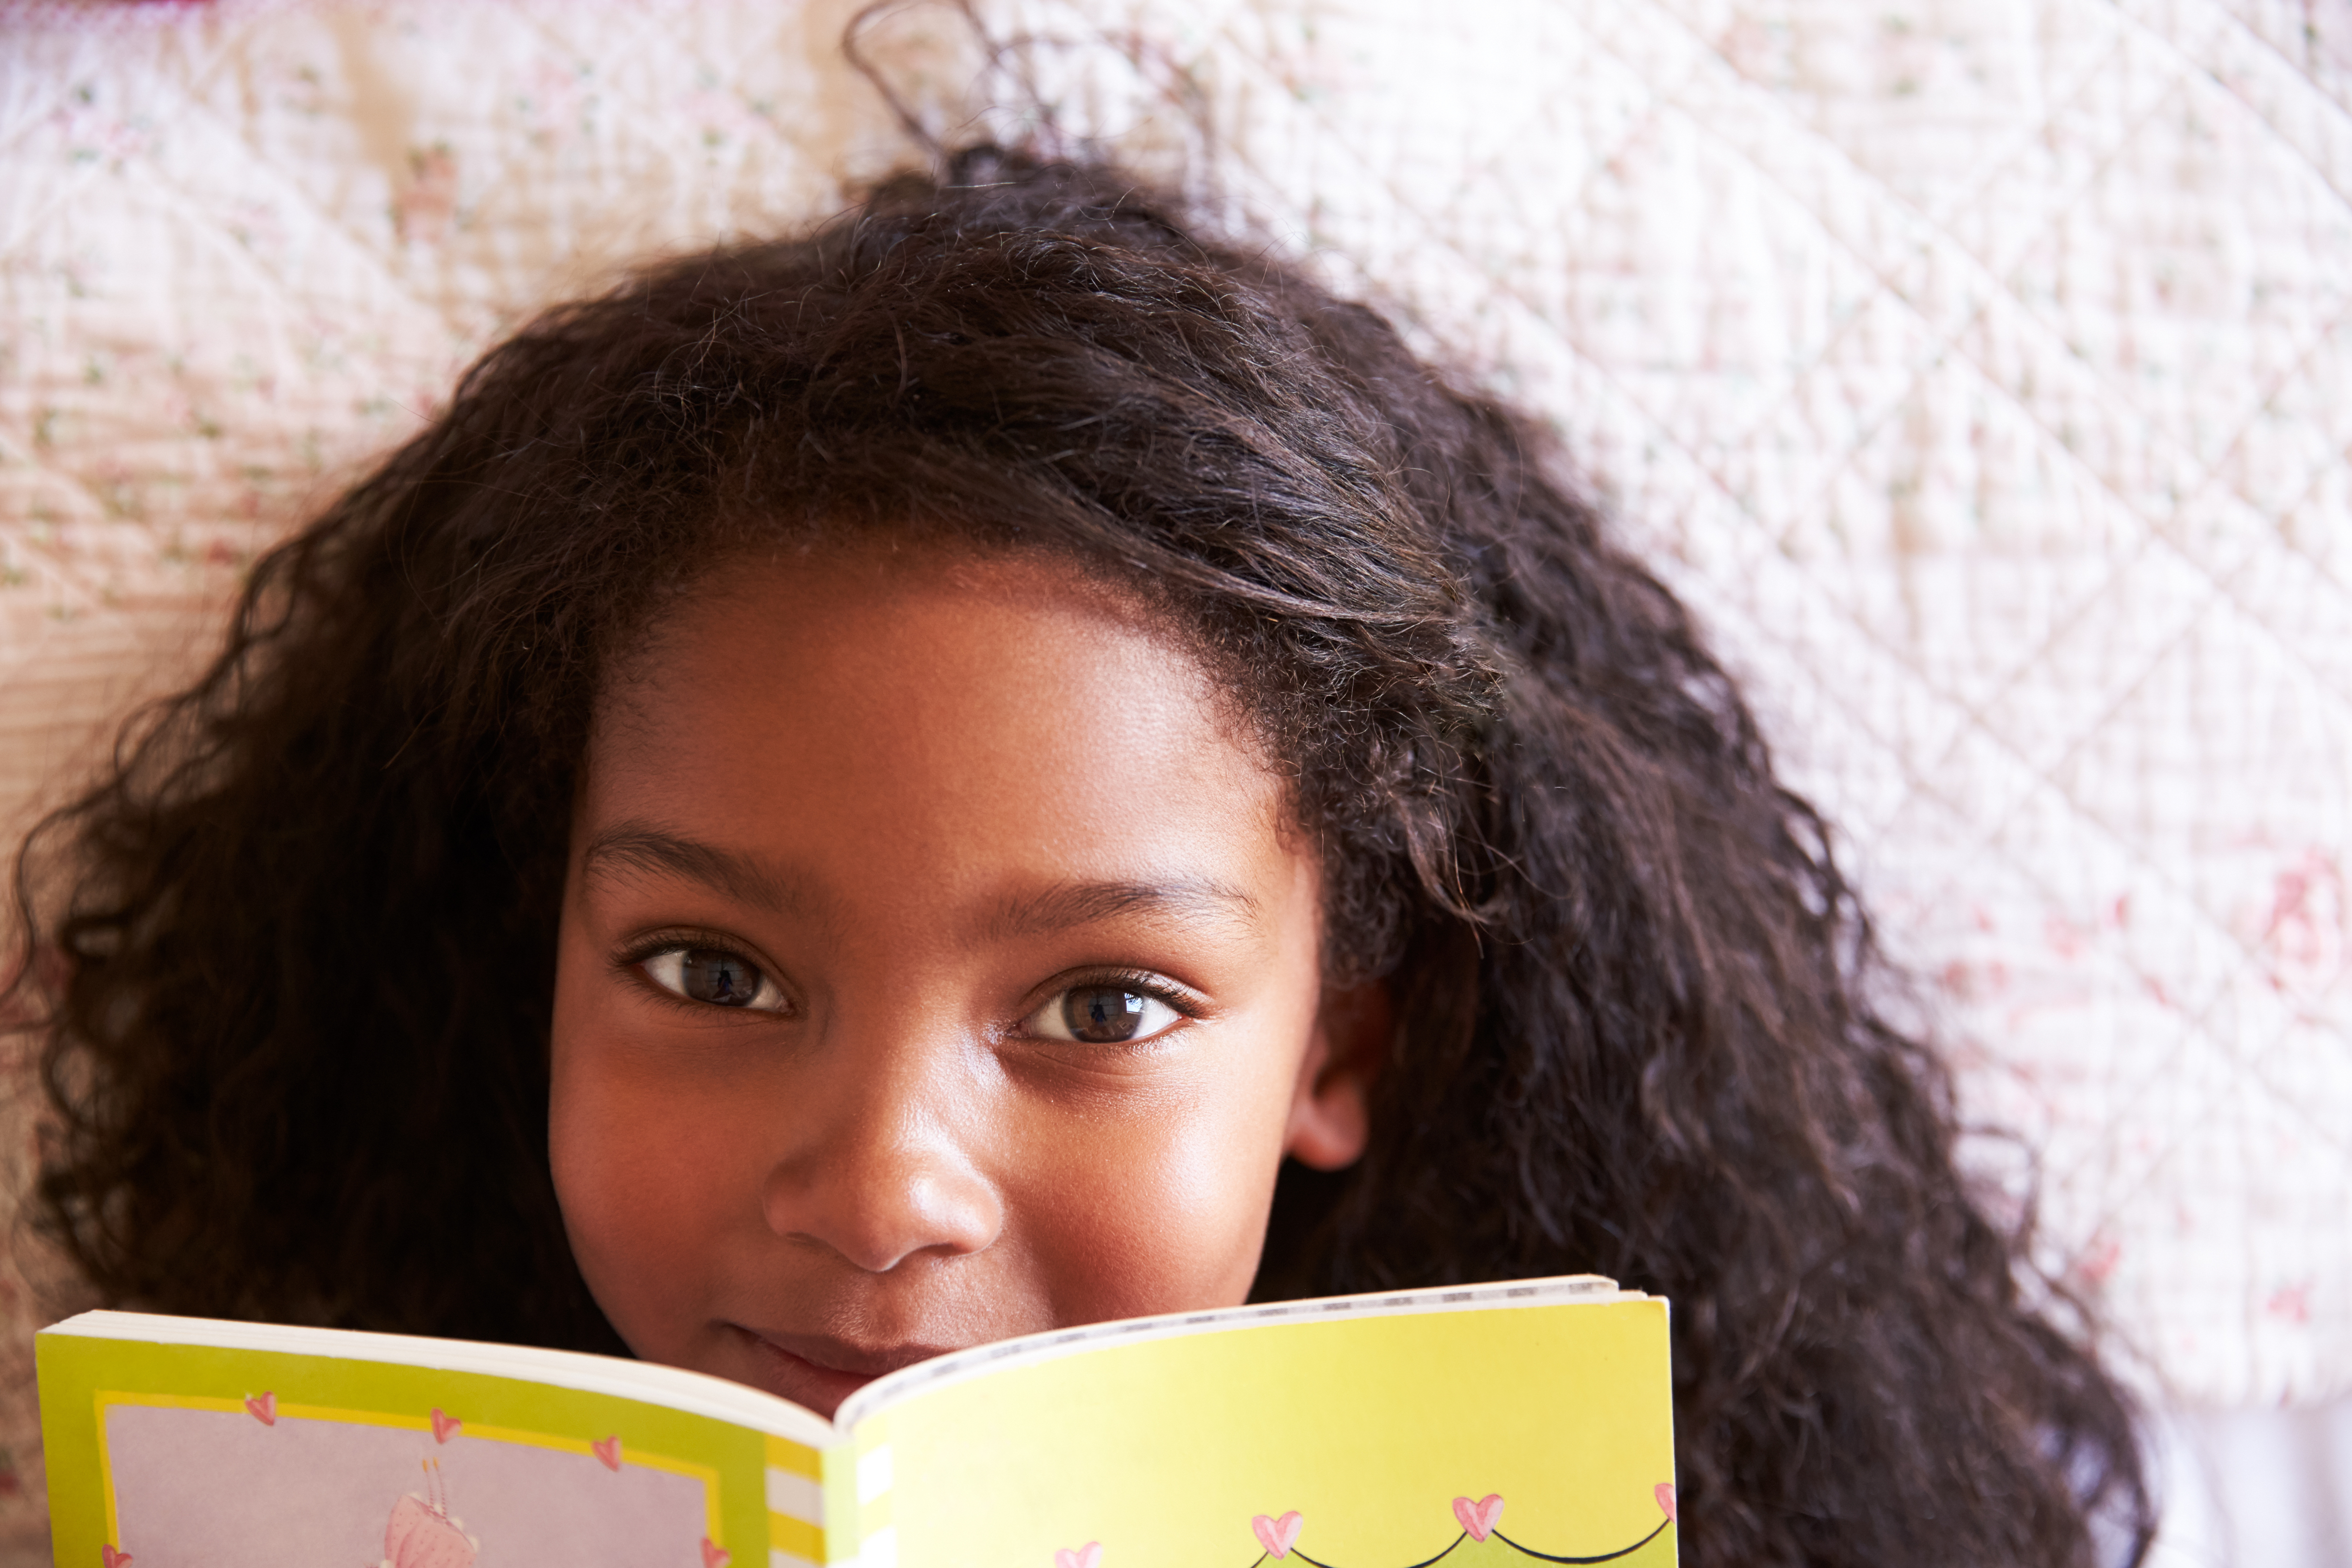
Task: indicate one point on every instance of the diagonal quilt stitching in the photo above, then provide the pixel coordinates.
(2194, 1027)
(326, 221)
(201, 223)
(2110, 1215)
(2321, 569)
(140, 165)
(1918, 768)
(1949, 340)
(94, 594)
(1886, 284)
(1919, 782)
(2332, 1135)
(2192, 71)
(1878, 188)
(2118, 1195)
(1800, 515)
(1667, 436)
(2324, 683)
(2001, 742)
(512, 175)
(2213, 471)
(2001, 167)
(2064, 625)
(2248, 955)
(1886, 195)
(2153, 529)
(2121, 394)
(2240, 1084)
(2212, 475)
(24, 128)
(98, 504)
(154, 77)
(66, 192)
(1502, 291)
(83, 598)
(2083, 813)
(1661, 100)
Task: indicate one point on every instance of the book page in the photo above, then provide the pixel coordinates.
(191, 1455)
(1516, 1431)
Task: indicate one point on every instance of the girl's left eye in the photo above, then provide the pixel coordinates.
(1103, 1014)
(715, 976)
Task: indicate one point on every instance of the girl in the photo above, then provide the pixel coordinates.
(1001, 765)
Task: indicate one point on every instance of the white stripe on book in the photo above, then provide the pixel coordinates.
(873, 1473)
(796, 1496)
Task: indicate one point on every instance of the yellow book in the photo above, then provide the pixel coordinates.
(1483, 1426)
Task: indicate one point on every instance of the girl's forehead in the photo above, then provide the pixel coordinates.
(975, 716)
(890, 612)
(920, 624)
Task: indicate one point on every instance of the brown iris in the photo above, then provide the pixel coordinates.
(722, 979)
(1102, 1015)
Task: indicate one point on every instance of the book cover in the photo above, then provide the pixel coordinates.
(1511, 1423)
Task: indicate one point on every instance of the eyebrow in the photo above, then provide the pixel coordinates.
(641, 847)
(1085, 904)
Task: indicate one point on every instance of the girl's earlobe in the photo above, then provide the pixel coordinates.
(1330, 1110)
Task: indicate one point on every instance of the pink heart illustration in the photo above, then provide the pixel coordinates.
(1277, 1535)
(1086, 1556)
(443, 1424)
(264, 1407)
(608, 1450)
(112, 1558)
(1666, 1500)
(714, 1556)
(1478, 1518)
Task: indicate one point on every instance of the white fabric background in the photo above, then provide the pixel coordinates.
(1981, 369)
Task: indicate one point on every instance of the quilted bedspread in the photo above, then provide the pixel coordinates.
(1981, 370)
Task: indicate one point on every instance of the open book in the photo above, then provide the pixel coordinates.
(1499, 1424)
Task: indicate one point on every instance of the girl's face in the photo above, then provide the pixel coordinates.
(938, 964)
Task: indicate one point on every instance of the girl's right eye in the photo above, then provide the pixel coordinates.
(715, 976)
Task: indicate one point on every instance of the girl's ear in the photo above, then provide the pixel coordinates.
(1330, 1112)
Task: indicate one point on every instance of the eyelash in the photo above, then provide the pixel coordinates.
(1142, 981)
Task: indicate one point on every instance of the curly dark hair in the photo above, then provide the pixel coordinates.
(296, 1023)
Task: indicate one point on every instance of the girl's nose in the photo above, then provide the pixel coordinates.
(879, 1172)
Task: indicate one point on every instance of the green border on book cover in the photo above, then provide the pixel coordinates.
(81, 1378)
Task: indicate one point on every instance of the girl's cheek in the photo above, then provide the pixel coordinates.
(640, 1161)
(1161, 1208)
